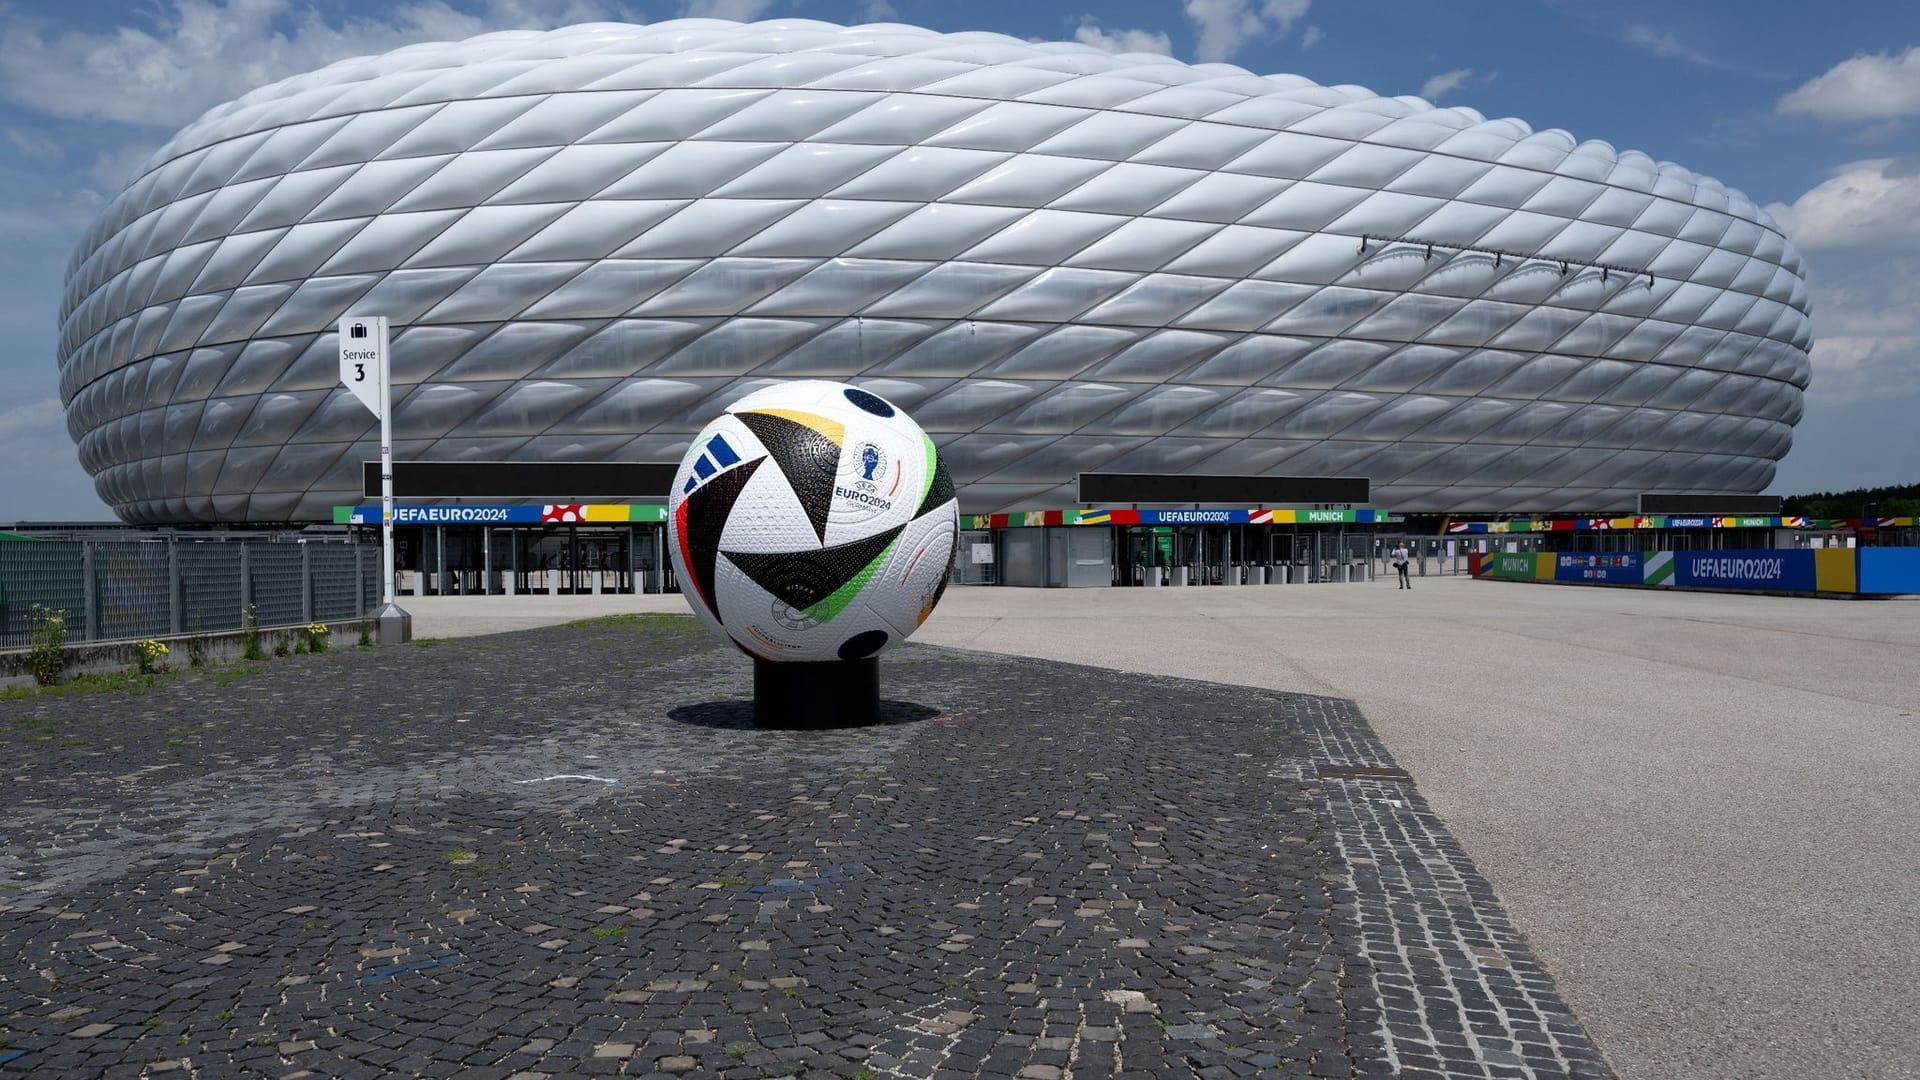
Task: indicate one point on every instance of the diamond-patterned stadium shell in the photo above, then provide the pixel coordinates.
(1058, 260)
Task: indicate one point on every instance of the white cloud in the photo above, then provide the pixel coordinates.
(199, 53)
(1123, 41)
(1312, 36)
(58, 216)
(1225, 26)
(1662, 43)
(1878, 87)
(33, 145)
(44, 414)
(1848, 370)
(879, 11)
(1867, 204)
(1866, 327)
(737, 10)
(1284, 13)
(1860, 229)
(1444, 83)
(114, 169)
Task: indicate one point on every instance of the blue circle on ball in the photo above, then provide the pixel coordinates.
(869, 402)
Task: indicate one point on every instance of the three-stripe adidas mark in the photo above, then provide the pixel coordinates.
(718, 456)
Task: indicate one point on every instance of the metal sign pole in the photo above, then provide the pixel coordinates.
(366, 371)
(387, 569)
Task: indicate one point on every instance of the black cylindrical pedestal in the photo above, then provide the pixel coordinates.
(822, 694)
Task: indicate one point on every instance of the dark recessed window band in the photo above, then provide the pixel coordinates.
(1108, 488)
(583, 480)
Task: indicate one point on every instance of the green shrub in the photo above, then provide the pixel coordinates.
(253, 650)
(150, 652)
(317, 634)
(48, 636)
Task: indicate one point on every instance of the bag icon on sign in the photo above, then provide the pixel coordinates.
(357, 330)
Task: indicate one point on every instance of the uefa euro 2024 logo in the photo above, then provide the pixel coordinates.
(870, 461)
(859, 493)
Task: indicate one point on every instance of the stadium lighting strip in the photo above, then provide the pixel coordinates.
(1502, 254)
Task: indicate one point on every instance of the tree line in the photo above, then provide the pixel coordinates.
(1900, 500)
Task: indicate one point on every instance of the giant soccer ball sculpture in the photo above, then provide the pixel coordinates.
(814, 526)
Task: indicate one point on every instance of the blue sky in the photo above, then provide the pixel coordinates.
(1813, 112)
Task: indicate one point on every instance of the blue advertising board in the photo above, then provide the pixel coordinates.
(1786, 571)
(1613, 567)
(1889, 570)
(449, 515)
(1193, 517)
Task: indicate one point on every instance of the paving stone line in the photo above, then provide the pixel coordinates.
(1463, 994)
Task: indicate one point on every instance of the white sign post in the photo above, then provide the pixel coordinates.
(366, 372)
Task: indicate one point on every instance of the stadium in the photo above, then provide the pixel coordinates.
(1060, 261)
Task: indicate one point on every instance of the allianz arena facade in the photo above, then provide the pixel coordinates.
(1058, 260)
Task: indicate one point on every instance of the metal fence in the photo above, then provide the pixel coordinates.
(974, 563)
(1437, 556)
(127, 590)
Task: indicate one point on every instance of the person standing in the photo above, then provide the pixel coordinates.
(1400, 557)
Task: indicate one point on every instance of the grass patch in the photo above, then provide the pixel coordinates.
(607, 933)
(111, 682)
(466, 862)
(182, 735)
(233, 675)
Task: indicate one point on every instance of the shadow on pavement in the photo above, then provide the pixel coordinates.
(738, 715)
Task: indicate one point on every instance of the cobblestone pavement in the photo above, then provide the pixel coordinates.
(568, 852)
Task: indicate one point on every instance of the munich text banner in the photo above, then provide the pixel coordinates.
(1518, 566)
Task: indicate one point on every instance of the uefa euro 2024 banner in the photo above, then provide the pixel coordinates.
(1784, 571)
(1788, 571)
